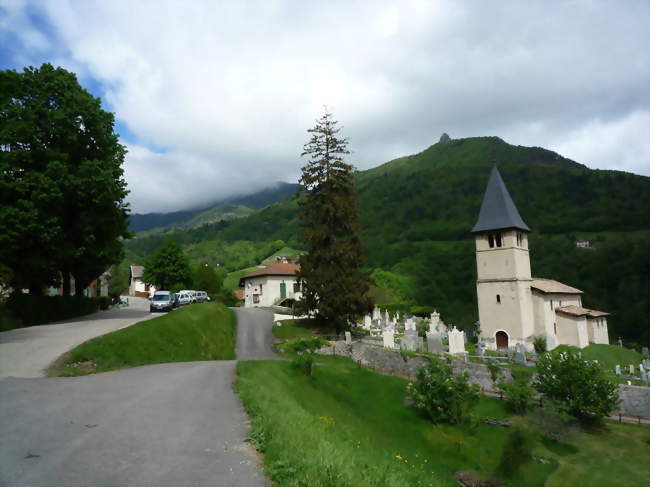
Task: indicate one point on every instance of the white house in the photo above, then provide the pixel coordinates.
(136, 286)
(513, 306)
(271, 286)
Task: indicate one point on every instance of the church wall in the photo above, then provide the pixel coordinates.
(597, 329)
(508, 261)
(512, 313)
(572, 330)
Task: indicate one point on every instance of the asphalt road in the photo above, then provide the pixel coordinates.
(161, 425)
(27, 352)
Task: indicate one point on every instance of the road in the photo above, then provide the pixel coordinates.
(161, 425)
(27, 352)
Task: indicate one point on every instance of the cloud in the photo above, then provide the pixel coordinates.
(221, 93)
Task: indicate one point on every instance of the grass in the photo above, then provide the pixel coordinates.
(349, 426)
(231, 280)
(607, 355)
(291, 329)
(198, 332)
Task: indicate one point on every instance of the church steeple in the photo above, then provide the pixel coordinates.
(498, 211)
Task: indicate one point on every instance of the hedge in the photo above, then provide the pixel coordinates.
(36, 310)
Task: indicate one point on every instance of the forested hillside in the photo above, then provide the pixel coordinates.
(417, 212)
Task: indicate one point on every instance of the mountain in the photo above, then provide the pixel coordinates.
(417, 213)
(226, 209)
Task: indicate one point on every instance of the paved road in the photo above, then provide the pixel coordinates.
(161, 425)
(27, 352)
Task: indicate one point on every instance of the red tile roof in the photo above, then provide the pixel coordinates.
(239, 293)
(272, 270)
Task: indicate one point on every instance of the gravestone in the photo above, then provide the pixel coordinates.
(631, 369)
(389, 338)
(348, 337)
(385, 318)
(410, 341)
(434, 342)
(376, 313)
(645, 351)
(620, 342)
(456, 341)
(520, 354)
(617, 369)
(480, 349)
(367, 322)
(409, 325)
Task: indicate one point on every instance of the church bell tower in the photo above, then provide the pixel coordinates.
(503, 289)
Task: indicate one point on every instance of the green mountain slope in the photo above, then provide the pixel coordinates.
(417, 212)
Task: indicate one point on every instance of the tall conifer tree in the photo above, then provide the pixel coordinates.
(335, 285)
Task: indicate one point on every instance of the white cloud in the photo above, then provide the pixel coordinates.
(229, 88)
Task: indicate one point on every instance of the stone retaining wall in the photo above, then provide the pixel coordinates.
(635, 400)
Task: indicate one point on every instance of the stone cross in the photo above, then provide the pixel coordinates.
(389, 338)
(456, 341)
(617, 369)
(348, 337)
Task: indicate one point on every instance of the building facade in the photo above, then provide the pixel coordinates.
(137, 287)
(275, 285)
(514, 307)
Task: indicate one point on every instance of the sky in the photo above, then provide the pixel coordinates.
(213, 98)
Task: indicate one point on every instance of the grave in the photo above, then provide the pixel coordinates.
(631, 369)
(367, 322)
(617, 369)
(645, 351)
(520, 354)
(456, 341)
(388, 336)
(434, 342)
(410, 341)
(409, 325)
(348, 337)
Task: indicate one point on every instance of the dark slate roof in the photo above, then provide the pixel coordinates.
(498, 211)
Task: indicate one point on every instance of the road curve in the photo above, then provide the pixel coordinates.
(27, 352)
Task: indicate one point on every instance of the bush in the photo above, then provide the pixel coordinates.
(495, 371)
(519, 395)
(517, 451)
(579, 387)
(303, 345)
(304, 363)
(32, 309)
(441, 395)
(104, 302)
(540, 344)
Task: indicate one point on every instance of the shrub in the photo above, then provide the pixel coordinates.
(579, 387)
(540, 344)
(494, 371)
(302, 345)
(32, 309)
(517, 451)
(104, 302)
(519, 395)
(304, 363)
(441, 395)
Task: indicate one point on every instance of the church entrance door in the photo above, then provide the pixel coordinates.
(502, 340)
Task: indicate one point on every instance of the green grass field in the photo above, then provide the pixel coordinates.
(607, 355)
(198, 332)
(291, 329)
(347, 426)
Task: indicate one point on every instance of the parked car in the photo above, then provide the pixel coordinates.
(191, 294)
(201, 296)
(184, 298)
(163, 301)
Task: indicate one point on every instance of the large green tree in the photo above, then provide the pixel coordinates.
(168, 267)
(336, 287)
(207, 279)
(62, 209)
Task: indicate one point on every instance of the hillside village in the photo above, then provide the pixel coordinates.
(238, 253)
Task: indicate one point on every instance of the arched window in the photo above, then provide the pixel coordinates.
(498, 298)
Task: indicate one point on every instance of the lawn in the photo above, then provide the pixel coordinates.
(298, 328)
(607, 355)
(231, 281)
(203, 331)
(349, 426)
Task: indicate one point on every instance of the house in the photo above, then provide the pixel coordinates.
(98, 287)
(274, 285)
(514, 307)
(583, 244)
(136, 286)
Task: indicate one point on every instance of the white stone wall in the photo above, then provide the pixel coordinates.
(572, 330)
(544, 306)
(509, 261)
(597, 329)
(270, 290)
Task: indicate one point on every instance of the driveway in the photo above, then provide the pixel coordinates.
(162, 425)
(27, 352)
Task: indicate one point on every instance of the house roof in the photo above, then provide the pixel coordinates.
(136, 271)
(239, 293)
(278, 269)
(549, 286)
(579, 311)
(498, 211)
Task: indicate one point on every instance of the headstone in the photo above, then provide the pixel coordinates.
(434, 321)
(620, 342)
(410, 341)
(456, 341)
(376, 313)
(389, 338)
(409, 325)
(348, 337)
(645, 351)
(385, 318)
(617, 369)
(480, 349)
(520, 354)
(641, 369)
(631, 369)
(434, 342)
(367, 322)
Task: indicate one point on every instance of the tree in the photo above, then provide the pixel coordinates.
(335, 285)
(579, 387)
(207, 279)
(443, 396)
(62, 191)
(168, 267)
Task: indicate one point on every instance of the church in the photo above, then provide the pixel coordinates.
(515, 308)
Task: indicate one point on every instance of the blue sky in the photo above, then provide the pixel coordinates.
(213, 98)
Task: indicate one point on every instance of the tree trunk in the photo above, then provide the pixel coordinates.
(78, 287)
(35, 289)
(65, 286)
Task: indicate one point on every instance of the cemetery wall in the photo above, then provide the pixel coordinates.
(635, 400)
(392, 361)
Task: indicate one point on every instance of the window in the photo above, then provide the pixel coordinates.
(498, 298)
(260, 289)
(491, 240)
(256, 298)
(555, 328)
(296, 287)
(520, 239)
(497, 239)
(551, 303)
